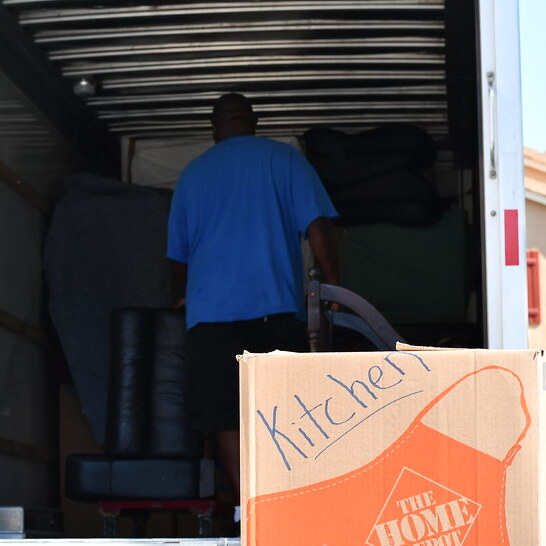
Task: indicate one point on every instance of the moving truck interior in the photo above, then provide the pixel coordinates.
(408, 110)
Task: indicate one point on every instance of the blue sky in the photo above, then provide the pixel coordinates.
(533, 72)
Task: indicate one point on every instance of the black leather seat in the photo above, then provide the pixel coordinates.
(150, 453)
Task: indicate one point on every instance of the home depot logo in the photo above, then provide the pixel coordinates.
(421, 512)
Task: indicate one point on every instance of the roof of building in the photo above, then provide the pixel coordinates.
(535, 173)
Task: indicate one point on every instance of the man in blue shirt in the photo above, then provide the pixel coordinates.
(237, 218)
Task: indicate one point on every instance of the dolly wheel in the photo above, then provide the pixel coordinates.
(109, 526)
(204, 525)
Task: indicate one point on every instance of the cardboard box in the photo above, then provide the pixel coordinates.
(412, 447)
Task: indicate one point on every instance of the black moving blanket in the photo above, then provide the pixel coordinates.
(105, 249)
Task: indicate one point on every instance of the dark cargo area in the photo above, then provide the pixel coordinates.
(381, 96)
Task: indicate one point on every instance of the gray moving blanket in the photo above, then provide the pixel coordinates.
(105, 249)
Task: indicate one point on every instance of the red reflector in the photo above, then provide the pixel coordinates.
(511, 237)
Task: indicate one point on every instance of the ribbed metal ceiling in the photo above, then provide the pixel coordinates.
(348, 65)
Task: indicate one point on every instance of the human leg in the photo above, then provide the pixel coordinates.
(229, 452)
(213, 389)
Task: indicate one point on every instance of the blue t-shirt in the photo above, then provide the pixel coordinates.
(236, 218)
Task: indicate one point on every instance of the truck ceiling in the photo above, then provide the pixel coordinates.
(151, 70)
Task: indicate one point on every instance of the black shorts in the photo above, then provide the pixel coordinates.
(213, 375)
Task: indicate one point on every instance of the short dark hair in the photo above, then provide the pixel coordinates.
(232, 106)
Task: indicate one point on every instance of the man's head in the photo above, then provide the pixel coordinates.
(232, 115)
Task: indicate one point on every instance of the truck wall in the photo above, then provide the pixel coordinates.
(32, 161)
(26, 401)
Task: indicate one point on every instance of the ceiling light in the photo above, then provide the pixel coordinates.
(84, 86)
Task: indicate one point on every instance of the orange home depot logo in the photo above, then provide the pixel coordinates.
(421, 512)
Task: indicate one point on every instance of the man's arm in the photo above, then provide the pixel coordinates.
(324, 244)
(180, 276)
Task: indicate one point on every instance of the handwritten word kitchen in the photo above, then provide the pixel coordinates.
(315, 425)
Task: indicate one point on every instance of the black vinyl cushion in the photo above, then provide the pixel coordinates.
(131, 346)
(146, 399)
(95, 477)
(169, 428)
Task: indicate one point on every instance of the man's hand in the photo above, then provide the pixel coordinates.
(180, 302)
(179, 274)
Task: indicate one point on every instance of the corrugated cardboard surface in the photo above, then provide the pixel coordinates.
(314, 422)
